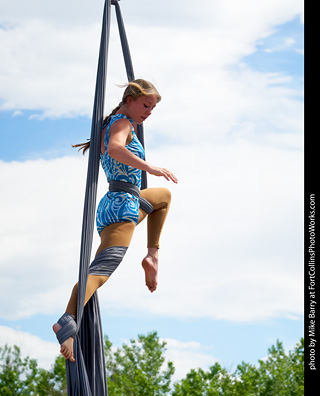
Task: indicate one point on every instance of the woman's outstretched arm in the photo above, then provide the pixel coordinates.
(119, 134)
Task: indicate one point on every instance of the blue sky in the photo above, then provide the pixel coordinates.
(230, 127)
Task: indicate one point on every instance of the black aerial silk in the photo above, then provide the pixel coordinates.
(87, 375)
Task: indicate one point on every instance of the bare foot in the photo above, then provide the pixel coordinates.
(66, 347)
(150, 266)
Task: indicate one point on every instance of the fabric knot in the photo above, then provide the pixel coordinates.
(68, 327)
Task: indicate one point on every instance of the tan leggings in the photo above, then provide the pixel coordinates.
(120, 234)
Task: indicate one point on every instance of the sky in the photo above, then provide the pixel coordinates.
(230, 126)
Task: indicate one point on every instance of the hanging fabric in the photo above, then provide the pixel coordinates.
(87, 375)
(130, 74)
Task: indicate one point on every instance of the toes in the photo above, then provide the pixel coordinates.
(67, 351)
(64, 352)
(152, 287)
(68, 355)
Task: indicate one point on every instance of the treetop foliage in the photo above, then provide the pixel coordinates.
(140, 368)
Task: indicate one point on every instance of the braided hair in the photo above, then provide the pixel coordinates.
(135, 89)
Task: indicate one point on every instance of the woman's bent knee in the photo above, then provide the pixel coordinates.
(157, 196)
(167, 195)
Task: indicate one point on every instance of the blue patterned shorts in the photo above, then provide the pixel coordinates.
(115, 207)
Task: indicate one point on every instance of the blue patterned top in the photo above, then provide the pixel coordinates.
(116, 207)
(114, 169)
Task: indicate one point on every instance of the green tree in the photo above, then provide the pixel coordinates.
(23, 377)
(214, 382)
(17, 375)
(278, 375)
(138, 369)
(53, 382)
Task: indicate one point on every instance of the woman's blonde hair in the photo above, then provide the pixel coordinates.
(135, 89)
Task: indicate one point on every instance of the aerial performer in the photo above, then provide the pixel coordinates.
(124, 206)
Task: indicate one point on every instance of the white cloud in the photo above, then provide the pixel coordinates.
(228, 13)
(40, 232)
(187, 356)
(233, 243)
(184, 355)
(232, 248)
(43, 351)
(49, 58)
(50, 70)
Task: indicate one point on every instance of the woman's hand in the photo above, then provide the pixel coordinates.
(156, 171)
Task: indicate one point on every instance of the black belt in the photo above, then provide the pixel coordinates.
(120, 186)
